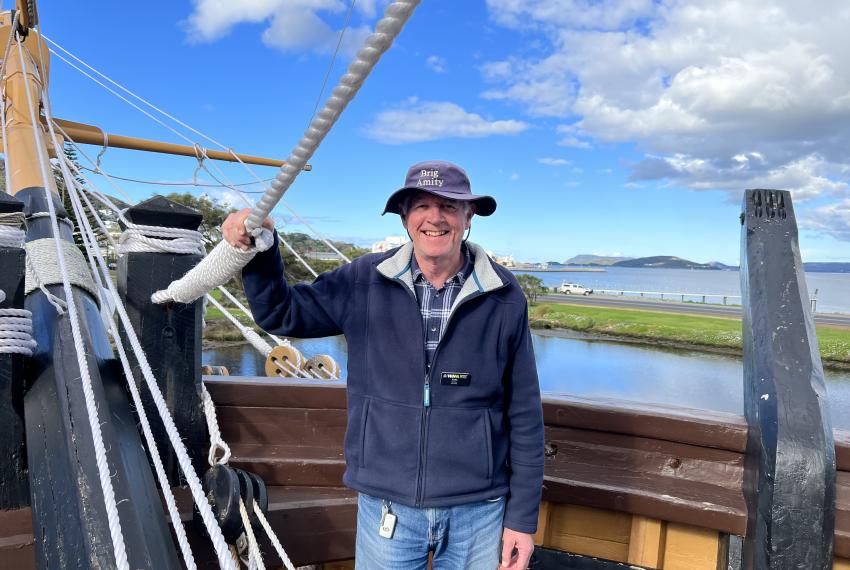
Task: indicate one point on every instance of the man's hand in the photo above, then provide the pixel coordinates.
(234, 232)
(524, 544)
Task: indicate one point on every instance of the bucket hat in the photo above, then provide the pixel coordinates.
(442, 179)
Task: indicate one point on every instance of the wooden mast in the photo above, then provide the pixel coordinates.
(67, 501)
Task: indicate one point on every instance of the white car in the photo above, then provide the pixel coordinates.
(573, 289)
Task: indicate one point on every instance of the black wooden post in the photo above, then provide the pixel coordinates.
(790, 466)
(14, 488)
(170, 333)
(69, 515)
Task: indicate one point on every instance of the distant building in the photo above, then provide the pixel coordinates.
(506, 260)
(389, 243)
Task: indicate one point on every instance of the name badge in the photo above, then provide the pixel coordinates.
(455, 378)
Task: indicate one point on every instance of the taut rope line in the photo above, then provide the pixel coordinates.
(179, 447)
(115, 531)
(225, 260)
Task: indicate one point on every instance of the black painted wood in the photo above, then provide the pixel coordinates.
(171, 334)
(789, 477)
(14, 487)
(549, 559)
(70, 523)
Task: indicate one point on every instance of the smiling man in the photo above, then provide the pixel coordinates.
(444, 442)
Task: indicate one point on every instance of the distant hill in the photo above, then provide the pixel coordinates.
(666, 262)
(586, 259)
(827, 267)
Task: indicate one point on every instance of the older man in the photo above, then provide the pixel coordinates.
(444, 441)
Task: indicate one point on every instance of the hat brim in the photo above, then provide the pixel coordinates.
(484, 205)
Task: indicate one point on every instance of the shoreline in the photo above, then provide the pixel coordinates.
(655, 343)
(661, 344)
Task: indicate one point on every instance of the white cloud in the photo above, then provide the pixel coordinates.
(290, 25)
(514, 176)
(416, 121)
(833, 220)
(553, 161)
(436, 63)
(719, 94)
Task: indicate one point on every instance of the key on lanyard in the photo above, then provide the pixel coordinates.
(388, 520)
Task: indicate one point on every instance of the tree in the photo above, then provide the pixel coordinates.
(531, 287)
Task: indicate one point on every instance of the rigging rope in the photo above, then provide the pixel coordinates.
(183, 459)
(171, 506)
(212, 272)
(116, 534)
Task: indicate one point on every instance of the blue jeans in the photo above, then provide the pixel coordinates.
(463, 537)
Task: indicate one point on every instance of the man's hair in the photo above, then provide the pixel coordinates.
(407, 200)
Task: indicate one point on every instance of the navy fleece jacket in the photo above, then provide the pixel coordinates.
(480, 437)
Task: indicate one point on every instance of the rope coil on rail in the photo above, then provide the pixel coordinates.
(225, 260)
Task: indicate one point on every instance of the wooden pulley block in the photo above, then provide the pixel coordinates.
(285, 360)
(212, 370)
(322, 366)
(223, 489)
(260, 495)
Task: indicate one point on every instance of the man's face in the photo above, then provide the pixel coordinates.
(436, 226)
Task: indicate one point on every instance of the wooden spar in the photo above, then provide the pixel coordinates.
(790, 470)
(68, 507)
(88, 134)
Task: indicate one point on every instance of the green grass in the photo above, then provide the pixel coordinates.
(714, 332)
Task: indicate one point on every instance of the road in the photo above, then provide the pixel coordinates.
(675, 307)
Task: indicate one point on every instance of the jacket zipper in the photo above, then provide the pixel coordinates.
(426, 398)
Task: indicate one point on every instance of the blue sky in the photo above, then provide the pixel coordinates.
(625, 127)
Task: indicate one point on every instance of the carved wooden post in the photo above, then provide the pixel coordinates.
(14, 488)
(790, 465)
(170, 333)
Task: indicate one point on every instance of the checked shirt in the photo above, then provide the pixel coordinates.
(435, 304)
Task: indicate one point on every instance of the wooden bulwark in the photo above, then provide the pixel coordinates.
(617, 485)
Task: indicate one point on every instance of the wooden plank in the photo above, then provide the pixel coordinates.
(541, 537)
(674, 423)
(842, 514)
(842, 449)
(646, 542)
(276, 392)
(588, 531)
(841, 564)
(690, 548)
(262, 425)
(341, 565)
(654, 478)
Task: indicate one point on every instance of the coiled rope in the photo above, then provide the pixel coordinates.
(225, 260)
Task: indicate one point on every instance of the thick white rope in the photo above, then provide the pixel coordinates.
(15, 330)
(43, 270)
(225, 260)
(192, 479)
(162, 478)
(204, 508)
(11, 235)
(248, 314)
(255, 558)
(230, 185)
(116, 534)
(217, 443)
(256, 340)
(140, 238)
(273, 537)
(386, 30)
